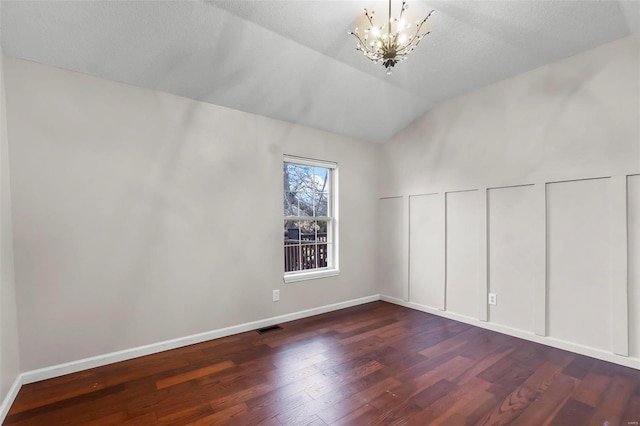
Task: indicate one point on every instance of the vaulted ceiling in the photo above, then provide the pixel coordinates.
(294, 61)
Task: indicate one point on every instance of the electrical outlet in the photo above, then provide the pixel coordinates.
(276, 295)
(493, 299)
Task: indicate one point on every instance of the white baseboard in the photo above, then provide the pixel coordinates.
(110, 358)
(545, 340)
(10, 397)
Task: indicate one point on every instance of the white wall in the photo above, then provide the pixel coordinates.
(427, 250)
(512, 265)
(9, 351)
(633, 190)
(548, 154)
(572, 119)
(141, 216)
(462, 266)
(579, 262)
(391, 244)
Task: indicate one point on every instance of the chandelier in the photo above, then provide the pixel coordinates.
(390, 45)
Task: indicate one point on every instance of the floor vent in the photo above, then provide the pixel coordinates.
(268, 329)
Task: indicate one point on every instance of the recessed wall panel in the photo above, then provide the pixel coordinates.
(579, 262)
(426, 250)
(512, 255)
(633, 217)
(462, 253)
(390, 247)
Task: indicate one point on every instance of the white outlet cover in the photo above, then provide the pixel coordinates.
(493, 299)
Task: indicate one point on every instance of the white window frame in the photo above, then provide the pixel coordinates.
(332, 223)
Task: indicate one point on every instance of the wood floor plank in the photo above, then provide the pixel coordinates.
(330, 401)
(572, 413)
(511, 407)
(591, 389)
(357, 417)
(109, 420)
(548, 403)
(615, 401)
(345, 406)
(182, 417)
(464, 412)
(632, 414)
(484, 363)
(223, 416)
(444, 405)
(50, 391)
(541, 379)
(376, 363)
(201, 372)
(580, 367)
(347, 377)
(267, 411)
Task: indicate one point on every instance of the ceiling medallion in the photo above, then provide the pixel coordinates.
(390, 45)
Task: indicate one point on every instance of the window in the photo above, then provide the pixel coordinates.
(310, 219)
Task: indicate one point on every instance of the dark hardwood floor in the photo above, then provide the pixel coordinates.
(372, 364)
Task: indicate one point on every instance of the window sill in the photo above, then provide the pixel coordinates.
(311, 275)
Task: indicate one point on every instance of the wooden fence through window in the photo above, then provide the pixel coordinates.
(308, 252)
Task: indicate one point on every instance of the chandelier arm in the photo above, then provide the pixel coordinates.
(409, 48)
(363, 46)
(395, 36)
(417, 34)
(402, 9)
(368, 17)
(423, 21)
(411, 45)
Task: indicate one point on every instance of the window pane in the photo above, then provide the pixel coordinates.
(320, 178)
(306, 231)
(305, 203)
(308, 260)
(321, 203)
(294, 177)
(291, 257)
(290, 204)
(298, 178)
(306, 190)
(292, 250)
(291, 231)
(323, 255)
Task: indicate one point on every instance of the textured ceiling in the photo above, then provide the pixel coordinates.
(293, 60)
